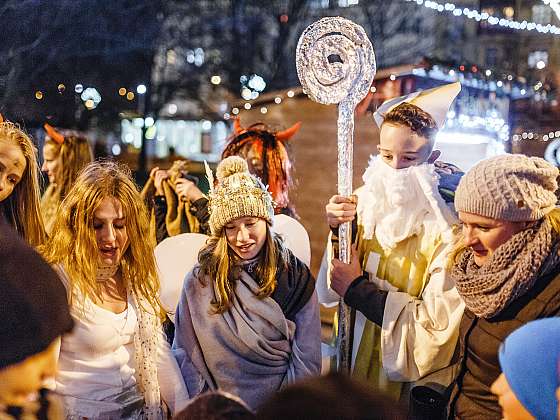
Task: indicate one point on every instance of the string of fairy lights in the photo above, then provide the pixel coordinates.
(501, 129)
(278, 99)
(530, 135)
(452, 9)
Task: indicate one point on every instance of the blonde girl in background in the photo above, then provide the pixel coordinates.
(116, 363)
(19, 183)
(65, 153)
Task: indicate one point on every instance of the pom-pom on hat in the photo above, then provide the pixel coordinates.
(238, 194)
(529, 358)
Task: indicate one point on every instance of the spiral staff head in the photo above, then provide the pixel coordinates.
(335, 62)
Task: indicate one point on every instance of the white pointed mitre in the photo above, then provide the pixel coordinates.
(435, 102)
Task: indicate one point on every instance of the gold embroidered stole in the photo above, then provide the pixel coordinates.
(405, 269)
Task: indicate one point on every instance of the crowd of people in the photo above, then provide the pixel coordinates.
(454, 280)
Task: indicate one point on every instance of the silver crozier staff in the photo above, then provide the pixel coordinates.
(336, 65)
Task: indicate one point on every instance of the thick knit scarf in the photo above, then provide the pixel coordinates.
(510, 272)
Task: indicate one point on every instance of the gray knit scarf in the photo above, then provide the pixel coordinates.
(510, 272)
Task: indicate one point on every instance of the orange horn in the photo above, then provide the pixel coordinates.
(1, 118)
(289, 132)
(237, 129)
(53, 134)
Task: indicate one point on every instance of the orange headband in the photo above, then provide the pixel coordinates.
(53, 134)
(280, 135)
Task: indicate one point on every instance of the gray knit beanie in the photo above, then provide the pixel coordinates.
(508, 187)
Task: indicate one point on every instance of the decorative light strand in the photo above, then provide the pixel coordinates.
(529, 135)
(450, 8)
(507, 84)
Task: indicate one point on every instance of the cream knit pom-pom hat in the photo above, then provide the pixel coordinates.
(238, 194)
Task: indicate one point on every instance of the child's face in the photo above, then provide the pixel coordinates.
(246, 236)
(18, 382)
(512, 409)
(12, 168)
(400, 147)
(51, 162)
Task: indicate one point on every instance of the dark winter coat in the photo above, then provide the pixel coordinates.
(479, 343)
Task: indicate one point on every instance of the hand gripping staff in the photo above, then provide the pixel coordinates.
(336, 65)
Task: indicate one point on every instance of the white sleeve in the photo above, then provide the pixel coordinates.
(419, 335)
(172, 387)
(327, 296)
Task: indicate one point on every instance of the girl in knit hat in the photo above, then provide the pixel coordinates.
(506, 267)
(116, 363)
(19, 183)
(65, 153)
(248, 318)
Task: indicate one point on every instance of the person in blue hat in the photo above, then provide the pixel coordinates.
(526, 389)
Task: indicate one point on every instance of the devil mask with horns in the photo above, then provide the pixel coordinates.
(267, 156)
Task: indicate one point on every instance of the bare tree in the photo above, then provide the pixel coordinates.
(73, 41)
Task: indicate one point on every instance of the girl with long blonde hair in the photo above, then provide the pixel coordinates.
(65, 153)
(116, 360)
(19, 183)
(252, 293)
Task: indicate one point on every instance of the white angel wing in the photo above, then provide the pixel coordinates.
(175, 257)
(295, 236)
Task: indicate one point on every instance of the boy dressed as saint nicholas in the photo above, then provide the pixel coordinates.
(407, 309)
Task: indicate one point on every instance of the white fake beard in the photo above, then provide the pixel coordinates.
(395, 205)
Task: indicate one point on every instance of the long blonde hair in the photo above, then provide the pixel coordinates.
(74, 244)
(74, 154)
(219, 262)
(553, 217)
(21, 208)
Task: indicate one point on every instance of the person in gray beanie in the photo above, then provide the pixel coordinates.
(506, 267)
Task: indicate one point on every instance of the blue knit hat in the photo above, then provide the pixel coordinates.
(529, 361)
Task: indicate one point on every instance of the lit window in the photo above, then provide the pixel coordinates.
(347, 3)
(319, 4)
